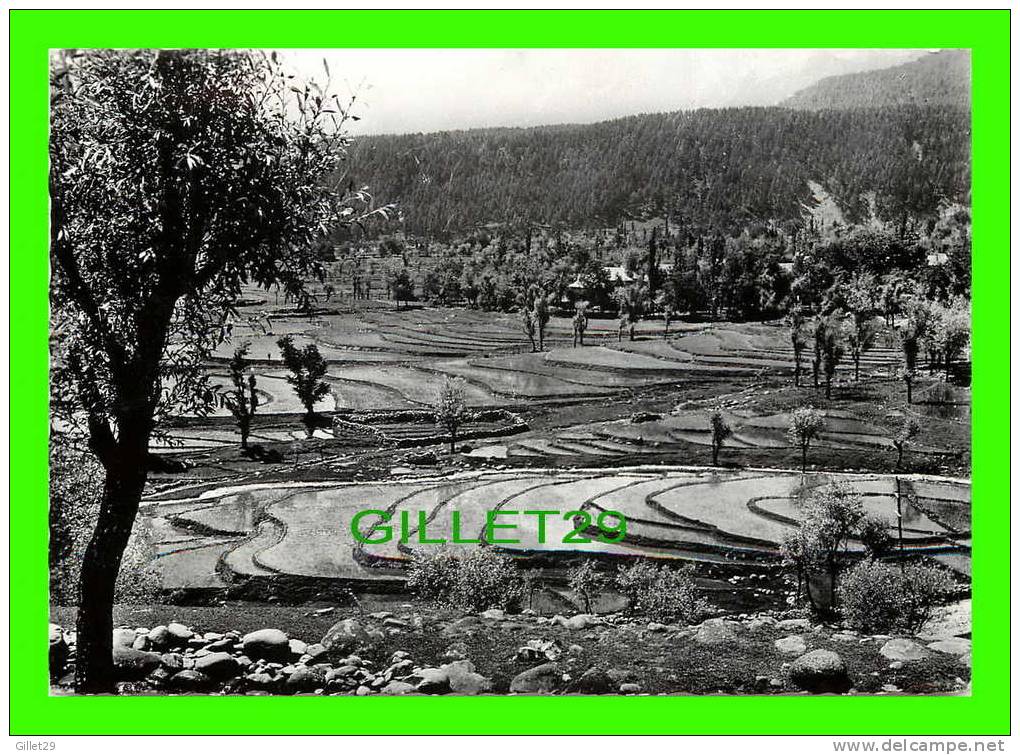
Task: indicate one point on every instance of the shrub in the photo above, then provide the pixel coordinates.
(479, 580)
(877, 597)
(488, 579)
(924, 588)
(661, 593)
(870, 594)
(433, 575)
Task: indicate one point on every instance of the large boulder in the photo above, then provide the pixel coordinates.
(538, 680)
(397, 688)
(267, 644)
(124, 637)
(349, 634)
(903, 650)
(217, 665)
(820, 671)
(579, 621)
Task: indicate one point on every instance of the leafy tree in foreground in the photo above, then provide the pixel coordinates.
(176, 177)
(451, 407)
(720, 432)
(806, 425)
(307, 370)
(243, 400)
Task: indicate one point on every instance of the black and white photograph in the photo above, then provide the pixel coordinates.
(380, 372)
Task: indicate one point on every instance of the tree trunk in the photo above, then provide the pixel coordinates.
(828, 387)
(910, 396)
(814, 372)
(715, 454)
(122, 491)
(796, 370)
(857, 368)
(803, 458)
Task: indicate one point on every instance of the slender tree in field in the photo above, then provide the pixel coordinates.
(799, 342)
(176, 177)
(910, 347)
(580, 323)
(243, 400)
(806, 425)
(307, 370)
(818, 332)
(831, 353)
(632, 300)
(540, 313)
(859, 336)
(905, 433)
(720, 432)
(528, 326)
(451, 408)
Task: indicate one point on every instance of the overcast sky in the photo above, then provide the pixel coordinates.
(402, 90)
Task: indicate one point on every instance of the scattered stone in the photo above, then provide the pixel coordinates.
(580, 621)
(792, 645)
(538, 680)
(844, 637)
(957, 646)
(307, 678)
(630, 688)
(539, 650)
(134, 664)
(494, 613)
(794, 625)
(761, 623)
(820, 671)
(892, 688)
(455, 651)
(179, 634)
(217, 665)
(190, 680)
(901, 649)
(464, 680)
(267, 644)
(172, 661)
(315, 650)
(124, 637)
(896, 665)
(465, 625)
(433, 681)
(595, 681)
(362, 691)
(348, 634)
(397, 688)
(655, 626)
(395, 623)
(718, 632)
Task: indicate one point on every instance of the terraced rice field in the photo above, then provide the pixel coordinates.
(396, 359)
(304, 530)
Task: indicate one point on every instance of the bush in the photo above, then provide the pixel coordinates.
(877, 597)
(479, 580)
(661, 593)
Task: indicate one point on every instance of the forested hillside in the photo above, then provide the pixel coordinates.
(705, 168)
(940, 78)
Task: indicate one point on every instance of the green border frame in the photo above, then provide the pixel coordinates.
(32, 711)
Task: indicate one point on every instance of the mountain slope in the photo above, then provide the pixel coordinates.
(940, 78)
